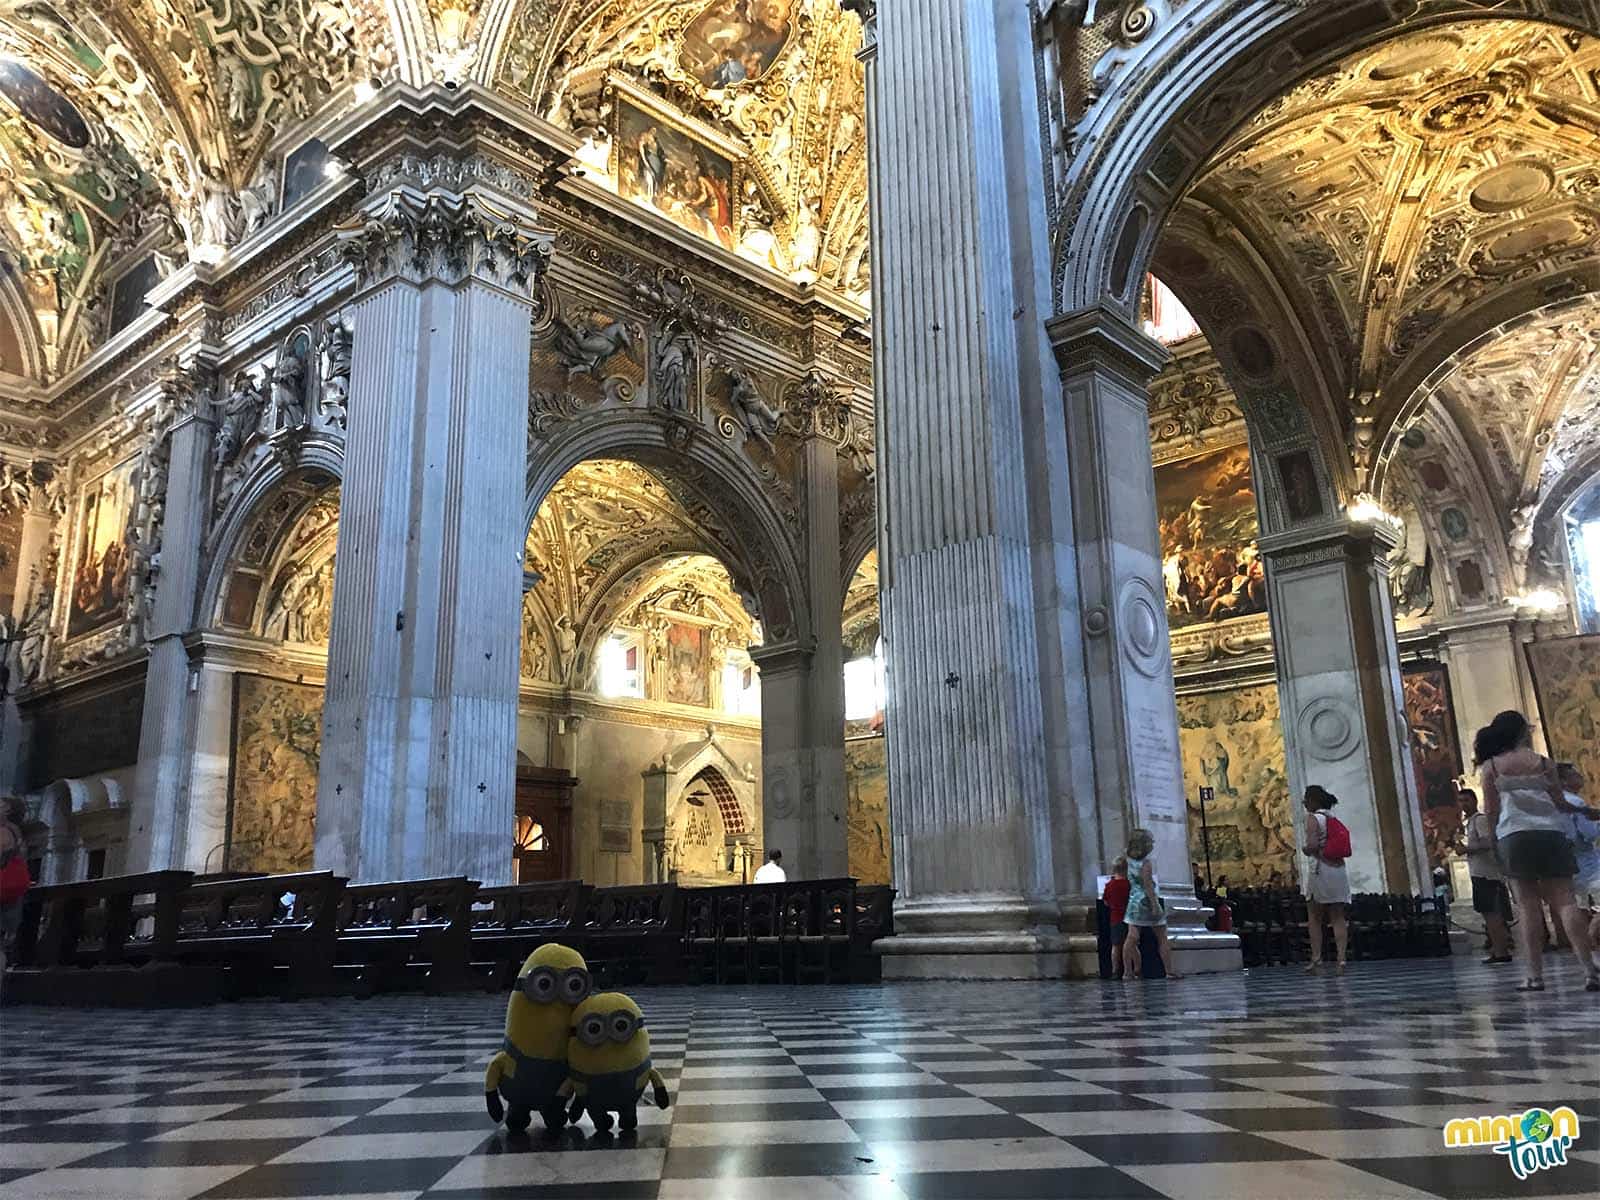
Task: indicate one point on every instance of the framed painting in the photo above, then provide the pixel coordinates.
(1435, 756)
(662, 166)
(277, 749)
(1208, 527)
(736, 41)
(1302, 495)
(687, 679)
(101, 566)
(1566, 673)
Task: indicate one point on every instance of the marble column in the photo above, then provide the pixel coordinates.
(1106, 366)
(1488, 674)
(418, 772)
(1344, 722)
(158, 825)
(959, 254)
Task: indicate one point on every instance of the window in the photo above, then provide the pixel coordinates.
(619, 667)
(1166, 319)
(863, 686)
(530, 836)
(741, 686)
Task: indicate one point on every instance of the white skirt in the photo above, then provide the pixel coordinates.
(1326, 883)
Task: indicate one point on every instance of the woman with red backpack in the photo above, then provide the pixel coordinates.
(14, 877)
(1327, 885)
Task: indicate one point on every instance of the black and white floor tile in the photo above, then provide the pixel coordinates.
(1266, 1086)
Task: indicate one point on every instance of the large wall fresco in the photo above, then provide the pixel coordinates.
(1435, 757)
(1232, 742)
(277, 745)
(100, 573)
(866, 781)
(1566, 672)
(1207, 508)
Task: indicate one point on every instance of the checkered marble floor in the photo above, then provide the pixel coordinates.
(1266, 1086)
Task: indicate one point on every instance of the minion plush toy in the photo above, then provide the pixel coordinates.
(608, 1062)
(531, 1068)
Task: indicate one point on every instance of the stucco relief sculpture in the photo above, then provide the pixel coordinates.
(239, 419)
(760, 418)
(338, 349)
(585, 347)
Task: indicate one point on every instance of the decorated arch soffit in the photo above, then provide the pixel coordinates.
(606, 536)
(149, 127)
(862, 624)
(741, 120)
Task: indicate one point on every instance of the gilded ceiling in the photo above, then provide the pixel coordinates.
(607, 538)
(1410, 181)
(157, 126)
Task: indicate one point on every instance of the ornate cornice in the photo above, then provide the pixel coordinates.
(1102, 338)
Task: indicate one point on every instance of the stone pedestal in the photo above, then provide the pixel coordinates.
(419, 744)
(1344, 723)
(158, 830)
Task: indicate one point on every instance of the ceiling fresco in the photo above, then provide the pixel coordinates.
(1411, 181)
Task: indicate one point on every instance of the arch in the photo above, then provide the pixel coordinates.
(717, 486)
(862, 543)
(733, 813)
(318, 466)
(693, 760)
(1173, 102)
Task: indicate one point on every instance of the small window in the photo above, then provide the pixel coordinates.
(864, 686)
(304, 171)
(127, 295)
(741, 687)
(619, 673)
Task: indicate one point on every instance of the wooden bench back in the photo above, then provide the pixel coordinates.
(530, 907)
(252, 905)
(642, 908)
(407, 905)
(91, 922)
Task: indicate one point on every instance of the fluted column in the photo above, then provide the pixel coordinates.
(960, 252)
(1344, 723)
(170, 826)
(418, 772)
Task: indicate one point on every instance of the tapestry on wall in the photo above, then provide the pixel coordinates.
(866, 777)
(1232, 743)
(1207, 506)
(277, 744)
(1566, 672)
(1435, 757)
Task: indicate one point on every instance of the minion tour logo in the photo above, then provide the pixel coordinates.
(1535, 1140)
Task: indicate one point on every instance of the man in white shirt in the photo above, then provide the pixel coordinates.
(770, 871)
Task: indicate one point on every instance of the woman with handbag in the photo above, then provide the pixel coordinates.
(1532, 821)
(1327, 844)
(1146, 908)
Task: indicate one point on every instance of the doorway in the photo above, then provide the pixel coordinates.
(544, 824)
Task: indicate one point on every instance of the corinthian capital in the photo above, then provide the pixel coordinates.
(448, 238)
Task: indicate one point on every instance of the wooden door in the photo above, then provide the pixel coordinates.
(544, 824)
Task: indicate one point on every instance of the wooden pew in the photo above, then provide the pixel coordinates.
(409, 932)
(91, 923)
(510, 923)
(261, 946)
(874, 920)
(634, 935)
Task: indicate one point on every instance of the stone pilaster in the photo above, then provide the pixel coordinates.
(159, 831)
(1344, 723)
(957, 256)
(418, 773)
(1488, 673)
(1106, 366)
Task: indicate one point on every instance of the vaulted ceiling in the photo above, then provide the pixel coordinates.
(142, 124)
(1415, 180)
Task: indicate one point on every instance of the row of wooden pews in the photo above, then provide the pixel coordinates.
(171, 937)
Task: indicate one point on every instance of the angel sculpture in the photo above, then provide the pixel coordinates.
(583, 348)
(760, 418)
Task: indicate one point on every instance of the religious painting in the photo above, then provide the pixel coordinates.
(300, 603)
(685, 677)
(1435, 757)
(10, 549)
(41, 105)
(735, 41)
(100, 576)
(277, 748)
(1302, 496)
(866, 783)
(1207, 508)
(1566, 672)
(1232, 742)
(663, 168)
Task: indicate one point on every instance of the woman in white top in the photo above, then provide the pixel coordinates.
(1532, 822)
(1327, 882)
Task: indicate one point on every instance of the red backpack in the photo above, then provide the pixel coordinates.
(1336, 845)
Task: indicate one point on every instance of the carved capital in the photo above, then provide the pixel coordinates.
(817, 407)
(446, 238)
(1100, 338)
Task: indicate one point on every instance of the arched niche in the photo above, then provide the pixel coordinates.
(695, 776)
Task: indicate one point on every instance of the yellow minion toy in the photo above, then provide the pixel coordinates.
(608, 1062)
(530, 1069)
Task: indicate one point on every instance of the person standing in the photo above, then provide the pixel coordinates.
(1532, 821)
(1490, 900)
(1116, 901)
(1327, 883)
(771, 871)
(1585, 848)
(1146, 909)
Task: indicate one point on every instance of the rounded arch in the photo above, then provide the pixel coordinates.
(1187, 87)
(862, 543)
(717, 486)
(267, 504)
(735, 819)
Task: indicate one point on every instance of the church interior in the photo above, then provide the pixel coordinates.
(479, 476)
